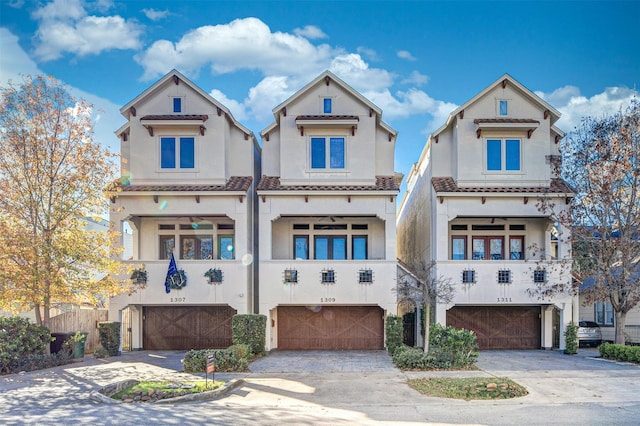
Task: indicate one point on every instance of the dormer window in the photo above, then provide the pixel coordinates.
(177, 104)
(503, 107)
(326, 106)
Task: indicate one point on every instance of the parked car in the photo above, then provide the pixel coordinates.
(589, 333)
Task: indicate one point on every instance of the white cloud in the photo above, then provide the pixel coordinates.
(310, 31)
(574, 106)
(14, 60)
(155, 15)
(245, 44)
(416, 78)
(65, 26)
(370, 54)
(356, 72)
(412, 102)
(405, 54)
(268, 94)
(236, 108)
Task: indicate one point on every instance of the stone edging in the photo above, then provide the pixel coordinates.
(104, 395)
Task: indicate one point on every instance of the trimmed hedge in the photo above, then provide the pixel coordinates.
(571, 339)
(234, 358)
(393, 332)
(620, 352)
(20, 339)
(110, 337)
(250, 330)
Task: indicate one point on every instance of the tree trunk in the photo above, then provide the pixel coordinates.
(427, 316)
(621, 322)
(38, 314)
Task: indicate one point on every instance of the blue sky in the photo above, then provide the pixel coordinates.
(417, 60)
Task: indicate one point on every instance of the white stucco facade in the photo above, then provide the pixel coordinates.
(189, 172)
(473, 207)
(329, 222)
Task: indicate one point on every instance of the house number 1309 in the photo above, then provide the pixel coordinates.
(327, 299)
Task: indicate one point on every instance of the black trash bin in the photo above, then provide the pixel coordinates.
(57, 345)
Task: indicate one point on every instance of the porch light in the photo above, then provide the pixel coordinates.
(365, 276)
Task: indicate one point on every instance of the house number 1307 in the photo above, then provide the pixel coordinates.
(178, 299)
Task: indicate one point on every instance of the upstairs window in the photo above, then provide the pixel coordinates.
(359, 247)
(327, 153)
(503, 107)
(177, 153)
(225, 247)
(326, 105)
(503, 155)
(332, 247)
(177, 104)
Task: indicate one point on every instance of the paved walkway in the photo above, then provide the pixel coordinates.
(337, 388)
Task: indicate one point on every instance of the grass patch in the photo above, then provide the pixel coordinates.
(469, 388)
(153, 391)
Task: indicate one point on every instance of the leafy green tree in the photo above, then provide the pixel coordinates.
(52, 177)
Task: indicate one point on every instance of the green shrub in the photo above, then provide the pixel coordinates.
(39, 361)
(451, 347)
(250, 330)
(406, 358)
(20, 339)
(234, 358)
(110, 337)
(393, 331)
(620, 352)
(571, 339)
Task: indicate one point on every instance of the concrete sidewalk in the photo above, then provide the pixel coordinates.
(334, 388)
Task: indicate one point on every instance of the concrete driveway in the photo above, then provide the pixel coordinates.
(334, 388)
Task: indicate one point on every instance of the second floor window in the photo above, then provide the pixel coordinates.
(503, 155)
(177, 152)
(327, 153)
(177, 104)
(331, 247)
(604, 312)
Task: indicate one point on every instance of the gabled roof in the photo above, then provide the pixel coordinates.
(554, 113)
(174, 74)
(233, 184)
(335, 79)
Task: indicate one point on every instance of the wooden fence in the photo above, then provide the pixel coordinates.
(80, 320)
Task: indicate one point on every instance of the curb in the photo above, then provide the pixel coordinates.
(232, 384)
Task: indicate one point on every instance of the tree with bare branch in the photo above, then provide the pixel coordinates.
(423, 288)
(602, 163)
(52, 177)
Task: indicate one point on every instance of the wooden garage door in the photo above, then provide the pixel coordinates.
(187, 327)
(330, 327)
(499, 327)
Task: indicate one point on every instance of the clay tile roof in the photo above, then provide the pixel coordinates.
(327, 117)
(235, 183)
(202, 117)
(383, 183)
(505, 120)
(447, 184)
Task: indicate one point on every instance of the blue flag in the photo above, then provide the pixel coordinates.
(171, 272)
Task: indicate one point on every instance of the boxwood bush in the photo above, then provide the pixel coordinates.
(620, 352)
(393, 332)
(448, 348)
(234, 358)
(571, 339)
(250, 329)
(19, 340)
(110, 337)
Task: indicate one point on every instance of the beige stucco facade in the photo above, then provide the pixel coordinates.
(350, 205)
(473, 204)
(198, 205)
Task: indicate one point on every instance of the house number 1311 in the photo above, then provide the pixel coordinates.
(504, 299)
